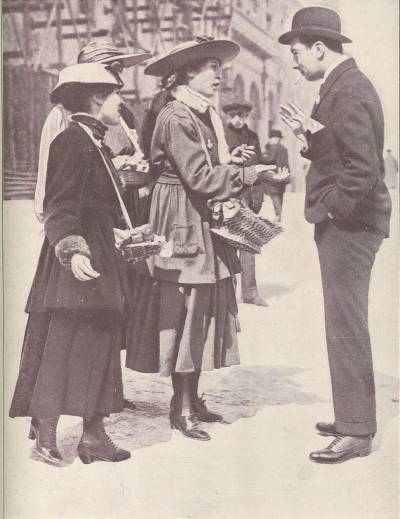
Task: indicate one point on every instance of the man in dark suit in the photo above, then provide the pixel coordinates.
(348, 202)
(238, 133)
(276, 154)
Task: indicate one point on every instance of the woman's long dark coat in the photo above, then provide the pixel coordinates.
(71, 354)
(80, 202)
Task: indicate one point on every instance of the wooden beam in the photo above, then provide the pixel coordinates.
(86, 35)
(18, 7)
(42, 23)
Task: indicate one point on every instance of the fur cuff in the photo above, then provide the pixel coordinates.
(69, 246)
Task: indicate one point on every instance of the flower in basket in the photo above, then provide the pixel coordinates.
(140, 243)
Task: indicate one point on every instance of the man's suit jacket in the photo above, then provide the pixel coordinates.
(347, 168)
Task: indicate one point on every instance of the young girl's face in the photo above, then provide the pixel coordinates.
(110, 110)
(206, 80)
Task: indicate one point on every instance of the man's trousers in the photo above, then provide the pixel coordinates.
(346, 254)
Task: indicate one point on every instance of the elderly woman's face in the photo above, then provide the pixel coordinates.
(110, 110)
(206, 80)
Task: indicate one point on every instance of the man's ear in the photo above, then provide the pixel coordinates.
(320, 49)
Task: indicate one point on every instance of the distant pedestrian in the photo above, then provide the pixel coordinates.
(391, 170)
(237, 133)
(276, 154)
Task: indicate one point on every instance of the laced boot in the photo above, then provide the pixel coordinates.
(96, 445)
(44, 431)
(187, 425)
(202, 413)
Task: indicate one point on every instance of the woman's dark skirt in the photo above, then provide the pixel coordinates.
(70, 365)
(181, 328)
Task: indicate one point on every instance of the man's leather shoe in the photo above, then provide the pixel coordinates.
(326, 429)
(259, 301)
(343, 448)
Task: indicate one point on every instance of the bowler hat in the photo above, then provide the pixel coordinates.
(190, 51)
(275, 133)
(315, 21)
(237, 104)
(83, 73)
(105, 52)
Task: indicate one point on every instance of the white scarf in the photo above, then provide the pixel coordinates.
(201, 104)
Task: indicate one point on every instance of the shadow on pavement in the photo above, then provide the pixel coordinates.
(239, 393)
(273, 289)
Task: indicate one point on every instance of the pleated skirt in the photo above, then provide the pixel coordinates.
(178, 328)
(70, 365)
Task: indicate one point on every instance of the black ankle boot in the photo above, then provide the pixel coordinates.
(187, 425)
(96, 445)
(202, 413)
(44, 431)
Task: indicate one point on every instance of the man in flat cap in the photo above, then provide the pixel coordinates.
(347, 200)
(238, 133)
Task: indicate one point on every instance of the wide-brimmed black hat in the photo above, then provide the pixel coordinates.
(189, 51)
(237, 104)
(315, 21)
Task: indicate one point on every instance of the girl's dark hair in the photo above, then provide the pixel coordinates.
(75, 96)
(333, 45)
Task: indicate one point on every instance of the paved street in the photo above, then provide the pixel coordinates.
(256, 466)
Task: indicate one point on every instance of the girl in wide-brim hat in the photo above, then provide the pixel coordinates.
(185, 316)
(71, 354)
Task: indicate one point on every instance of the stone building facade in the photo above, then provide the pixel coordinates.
(48, 35)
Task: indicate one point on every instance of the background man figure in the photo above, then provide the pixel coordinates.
(237, 133)
(347, 200)
(276, 154)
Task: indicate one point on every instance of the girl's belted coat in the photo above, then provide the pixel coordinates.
(184, 184)
(185, 310)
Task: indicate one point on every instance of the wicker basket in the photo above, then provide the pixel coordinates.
(235, 241)
(252, 228)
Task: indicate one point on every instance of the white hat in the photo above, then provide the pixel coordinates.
(84, 73)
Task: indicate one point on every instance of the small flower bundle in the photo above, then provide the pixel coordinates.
(140, 243)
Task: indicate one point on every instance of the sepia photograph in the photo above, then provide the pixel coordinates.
(200, 270)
